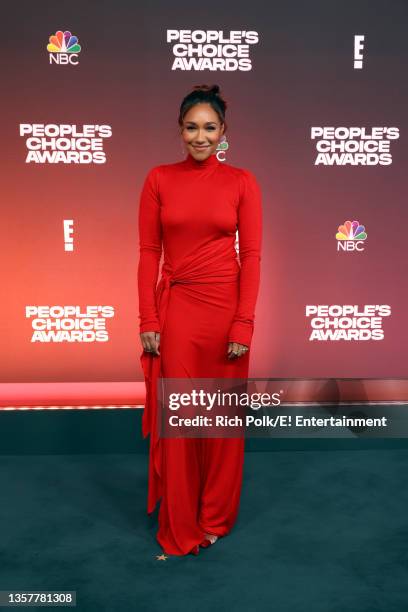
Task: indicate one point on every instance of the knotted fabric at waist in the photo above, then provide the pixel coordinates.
(169, 278)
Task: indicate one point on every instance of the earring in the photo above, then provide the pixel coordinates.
(183, 150)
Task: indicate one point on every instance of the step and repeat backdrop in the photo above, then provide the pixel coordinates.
(317, 98)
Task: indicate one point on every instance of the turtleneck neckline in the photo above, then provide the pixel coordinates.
(191, 162)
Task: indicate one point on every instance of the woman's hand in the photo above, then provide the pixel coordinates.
(151, 342)
(236, 350)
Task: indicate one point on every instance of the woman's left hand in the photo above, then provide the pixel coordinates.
(236, 350)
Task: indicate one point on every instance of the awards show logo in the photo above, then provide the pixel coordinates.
(354, 146)
(69, 323)
(351, 236)
(63, 48)
(347, 322)
(66, 143)
(212, 49)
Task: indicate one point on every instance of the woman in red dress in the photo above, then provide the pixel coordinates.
(198, 321)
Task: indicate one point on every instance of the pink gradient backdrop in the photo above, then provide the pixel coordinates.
(302, 76)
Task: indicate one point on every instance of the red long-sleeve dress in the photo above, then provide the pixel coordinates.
(206, 298)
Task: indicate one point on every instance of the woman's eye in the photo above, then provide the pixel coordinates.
(210, 127)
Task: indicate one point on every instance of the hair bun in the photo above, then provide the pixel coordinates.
(211, 89)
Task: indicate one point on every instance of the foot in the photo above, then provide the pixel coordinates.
(209, 538)
(195, 550)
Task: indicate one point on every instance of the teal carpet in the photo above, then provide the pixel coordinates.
(318, 530)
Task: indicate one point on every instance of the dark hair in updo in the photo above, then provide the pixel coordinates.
(204, 93)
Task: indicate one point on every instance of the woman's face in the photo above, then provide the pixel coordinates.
(201, 130)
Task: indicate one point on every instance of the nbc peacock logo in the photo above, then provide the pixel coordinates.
(63, 48)
(222, 148)
(351, 236)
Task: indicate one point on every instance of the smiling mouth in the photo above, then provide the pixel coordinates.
(201, 148)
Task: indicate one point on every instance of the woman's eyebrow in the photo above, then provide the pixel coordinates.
(206, 123)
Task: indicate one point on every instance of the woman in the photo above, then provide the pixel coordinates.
(198, 322)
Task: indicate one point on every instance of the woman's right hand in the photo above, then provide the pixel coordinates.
(151, 342)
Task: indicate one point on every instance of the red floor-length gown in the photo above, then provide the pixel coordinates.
(205, 299)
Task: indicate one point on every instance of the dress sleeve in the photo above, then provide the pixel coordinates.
(150, 247)
(250, 238)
